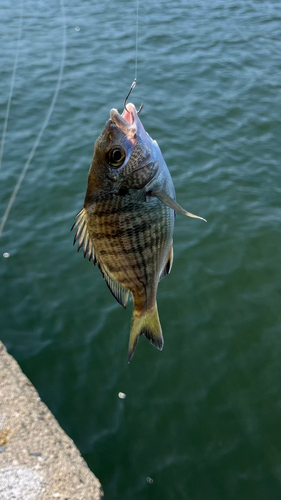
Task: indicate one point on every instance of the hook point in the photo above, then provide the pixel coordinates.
(125, 102)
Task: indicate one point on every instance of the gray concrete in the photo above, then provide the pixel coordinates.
(38, 461)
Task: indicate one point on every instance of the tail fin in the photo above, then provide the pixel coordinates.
(148, 324)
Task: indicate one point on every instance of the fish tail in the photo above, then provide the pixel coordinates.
(145, 323)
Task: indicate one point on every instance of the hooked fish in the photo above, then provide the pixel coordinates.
(127, 221)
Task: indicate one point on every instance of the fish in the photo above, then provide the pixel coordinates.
(127, 221)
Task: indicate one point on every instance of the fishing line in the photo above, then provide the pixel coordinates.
(137, 35)
(45, 123)
(136, 60)
(11, 89)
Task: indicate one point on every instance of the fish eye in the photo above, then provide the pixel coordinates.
(116, 156)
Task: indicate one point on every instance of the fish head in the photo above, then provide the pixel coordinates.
(125, 156)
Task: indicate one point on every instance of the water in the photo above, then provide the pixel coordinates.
(202, 418)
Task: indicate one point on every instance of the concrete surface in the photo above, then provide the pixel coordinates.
(38, 461)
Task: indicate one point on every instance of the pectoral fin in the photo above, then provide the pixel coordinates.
(165, 198)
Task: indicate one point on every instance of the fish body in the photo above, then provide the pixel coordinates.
(126, 224)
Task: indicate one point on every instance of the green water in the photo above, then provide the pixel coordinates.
(202, 418)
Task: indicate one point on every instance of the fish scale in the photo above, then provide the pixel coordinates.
(136, 254)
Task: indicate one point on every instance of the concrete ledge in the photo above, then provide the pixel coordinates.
(38, 461)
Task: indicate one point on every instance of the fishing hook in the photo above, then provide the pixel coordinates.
(125, 102)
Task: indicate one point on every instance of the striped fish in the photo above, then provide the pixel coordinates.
(126, 224)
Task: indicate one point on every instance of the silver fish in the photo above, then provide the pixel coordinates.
(126, 224)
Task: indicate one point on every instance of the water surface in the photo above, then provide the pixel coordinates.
(202, 418)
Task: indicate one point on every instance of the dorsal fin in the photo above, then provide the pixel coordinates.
(168, 264)
(119, 292)
(82, 234)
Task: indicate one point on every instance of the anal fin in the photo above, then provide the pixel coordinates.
(168, 264)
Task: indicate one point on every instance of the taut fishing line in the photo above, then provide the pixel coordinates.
(137, 35)
(136, 59)
(44, 125)
(11, 90)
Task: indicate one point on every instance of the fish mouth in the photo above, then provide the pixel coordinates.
(127, 122)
